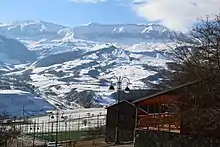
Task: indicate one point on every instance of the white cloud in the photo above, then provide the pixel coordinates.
(88, 1)
(176, 14)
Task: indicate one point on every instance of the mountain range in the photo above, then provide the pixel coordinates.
(72, 67)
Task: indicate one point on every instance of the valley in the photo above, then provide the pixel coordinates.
(72, 67)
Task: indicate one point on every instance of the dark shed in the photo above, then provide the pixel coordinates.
(126, 123)
(127, 114)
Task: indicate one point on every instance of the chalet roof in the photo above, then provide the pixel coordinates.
(166, 91)
(123, 101)
(134, 94)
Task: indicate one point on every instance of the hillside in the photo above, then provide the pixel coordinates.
(72, 67)
(18, 103)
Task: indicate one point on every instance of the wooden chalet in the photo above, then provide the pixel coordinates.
(158, 116)
(147, 113)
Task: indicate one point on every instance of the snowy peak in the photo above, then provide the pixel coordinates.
(108, 54)
(34, 30)
(113, 29)
(67, 33)
(155, 28)
(37, 25)
(47, 38)
(125, 33)
(116, 33)
(129, 28)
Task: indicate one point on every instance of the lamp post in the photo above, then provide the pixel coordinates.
(23, 108)
(57, 123)
(34, 131)
(119, 79)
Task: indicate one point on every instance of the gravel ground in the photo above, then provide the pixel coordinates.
(99, 143)
(127, 145)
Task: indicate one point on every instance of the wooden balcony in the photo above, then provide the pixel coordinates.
(160, 122)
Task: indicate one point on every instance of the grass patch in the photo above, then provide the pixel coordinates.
(62, 136)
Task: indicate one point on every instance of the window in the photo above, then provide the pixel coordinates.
(151, 109)
(156, 108)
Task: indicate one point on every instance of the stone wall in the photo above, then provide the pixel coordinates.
(149, 138)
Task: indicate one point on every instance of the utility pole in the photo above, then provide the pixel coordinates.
(42, 130)
(14, 125)
(49, 125)
(78, 127)
(34, 132)
(52, 129)
(57, 121)
(23, 114)
(118, 112)
(69, 126)
(98, 121)
(65, 130)
(57, 125)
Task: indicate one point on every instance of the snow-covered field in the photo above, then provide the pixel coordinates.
(68, 120)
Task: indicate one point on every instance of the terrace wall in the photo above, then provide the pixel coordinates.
(150, 138)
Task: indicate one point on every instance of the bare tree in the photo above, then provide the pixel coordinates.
(199, 60)
(8, 131)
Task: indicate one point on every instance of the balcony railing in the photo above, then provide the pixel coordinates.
(160, 122)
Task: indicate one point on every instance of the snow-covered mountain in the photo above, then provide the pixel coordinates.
(31, 30)
(72, 67)
(48, 38)
(126, 33)
(20, 103)
(14, 52)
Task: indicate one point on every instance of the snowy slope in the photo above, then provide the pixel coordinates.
(126, 33)
(48, 38)
(13, 101)
(33, 30)
(72, 67)
(14, 52)
(87, 77)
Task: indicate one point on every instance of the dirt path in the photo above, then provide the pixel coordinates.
(128, 145)
(99, 143)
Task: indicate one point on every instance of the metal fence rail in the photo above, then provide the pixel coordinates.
(40, 130)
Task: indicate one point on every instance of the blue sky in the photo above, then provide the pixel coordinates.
(175, 14)
(67, 12)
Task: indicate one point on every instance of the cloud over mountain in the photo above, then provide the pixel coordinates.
(176, 14)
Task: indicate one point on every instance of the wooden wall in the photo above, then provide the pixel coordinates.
(126, 118)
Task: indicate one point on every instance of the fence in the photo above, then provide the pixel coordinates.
(63, 128)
